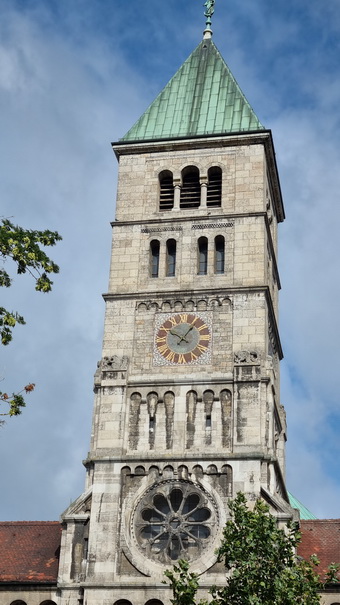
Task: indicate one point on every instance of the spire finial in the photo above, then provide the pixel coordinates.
(208, 14)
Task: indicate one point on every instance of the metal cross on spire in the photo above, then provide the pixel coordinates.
(209, 13)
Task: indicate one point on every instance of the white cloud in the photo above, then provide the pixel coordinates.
(60, 111)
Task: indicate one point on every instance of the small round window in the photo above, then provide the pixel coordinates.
(175, 520)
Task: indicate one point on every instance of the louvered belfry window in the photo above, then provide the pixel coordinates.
(166, 190)
(214, 191)
(191, 188)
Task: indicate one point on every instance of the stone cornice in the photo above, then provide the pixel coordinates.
(224, 457)
(180, 218)
(199, 142)
(183, 293)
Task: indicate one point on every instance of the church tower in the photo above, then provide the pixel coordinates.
(187, 405)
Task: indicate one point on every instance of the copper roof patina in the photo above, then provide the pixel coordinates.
(203, 98)
(304, 512)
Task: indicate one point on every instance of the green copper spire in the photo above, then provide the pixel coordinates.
(203, 98)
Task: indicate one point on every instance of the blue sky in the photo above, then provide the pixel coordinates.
(75, 76)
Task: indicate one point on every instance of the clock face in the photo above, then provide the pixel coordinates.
(183, 338)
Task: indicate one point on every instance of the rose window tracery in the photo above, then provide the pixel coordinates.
(175, 520)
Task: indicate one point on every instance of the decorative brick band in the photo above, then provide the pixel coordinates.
(212, 226)
(159, 229)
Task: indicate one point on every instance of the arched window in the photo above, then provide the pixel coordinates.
(154, 258)
(214, 191)
(170, 257)
(226, 480)
(154, 602)
(202, 256)
(219, 254)
(191, 188)
(18, 602)
(166, 190)
(122, 602)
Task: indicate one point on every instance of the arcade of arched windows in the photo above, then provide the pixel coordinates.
(202, 266)
(191, 190)
(221, 475)
(208, 419)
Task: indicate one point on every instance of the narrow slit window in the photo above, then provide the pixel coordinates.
(214, 191)
(219, 254)
(202, 256)
(166, 190)
(191, 188)
(208, 421)
(170, 258)
(154, 258)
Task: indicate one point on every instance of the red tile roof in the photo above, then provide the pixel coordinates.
(29, 551)
(322, 538)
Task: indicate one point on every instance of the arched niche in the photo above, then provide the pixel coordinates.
(139, 470)
(183, 472)
(212, 469)
(168, 471)
(197, 471)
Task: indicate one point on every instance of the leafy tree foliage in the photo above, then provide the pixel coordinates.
(184, 584)
(260, 560)
(15, 402)
(24, 248)
(332, 575)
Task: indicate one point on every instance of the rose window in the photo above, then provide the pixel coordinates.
(174, 521)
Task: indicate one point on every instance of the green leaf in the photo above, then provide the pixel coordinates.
(25, 248)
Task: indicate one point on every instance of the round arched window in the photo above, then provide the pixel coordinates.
(175, 520)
